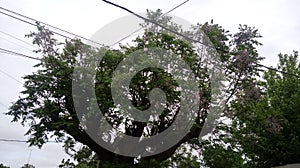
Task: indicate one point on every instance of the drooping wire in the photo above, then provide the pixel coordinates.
(16, 38)
(146, 19)
(10, 76)
(184, 36)
(135, 14)
(22, 141)
(15, 140)
(2, 104)
(32, 24)
(54, 27)
(155, 23)
(137, 30)
(9, 41)
(2, 50)
(283, 72)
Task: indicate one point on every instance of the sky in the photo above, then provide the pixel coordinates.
(278, 21)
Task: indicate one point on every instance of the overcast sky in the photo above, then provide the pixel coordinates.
(278, 21)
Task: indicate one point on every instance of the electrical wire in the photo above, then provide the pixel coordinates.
(9, 41)
(54, 27)
(155, 23)
(111, 3)
(14, 37)
(137, 15)
(17, 54)
(12, 140)
(2, 104)
(182, 35)
(22, 141)
(283, 72)
(8, 75)
(160, 25)
(129, 35)
(116, 5)
(32, 24)
(171, 10)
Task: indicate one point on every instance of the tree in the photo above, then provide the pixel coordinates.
(28, 166)
(3, 166)
(47, 104)
(265, 121)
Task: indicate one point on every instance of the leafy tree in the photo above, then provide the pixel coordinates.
(47, 105)
(28, 166)
(3, 166)
(265, 121)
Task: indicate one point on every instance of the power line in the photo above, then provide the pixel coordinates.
(129, 35)
(155, 23)
(32, 24)
(12, 140)
(17, 54)
(21, 141)
(182, 35)
(283, 72)
(111, 3)
(176, 7)
(29, 156)
(2, 104)
(15, 43)
(162, 26)
(8, 75)
(116, 5)
(17, 18)
(54, 27)
(14, 37)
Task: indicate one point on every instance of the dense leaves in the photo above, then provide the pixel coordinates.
(47, 106)
(264, 130)
(3, 166)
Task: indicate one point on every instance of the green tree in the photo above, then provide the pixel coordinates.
(3, 166)
(28, 166)
(265, 121)
(47, 105)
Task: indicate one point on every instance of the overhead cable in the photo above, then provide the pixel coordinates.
(129, 35)
(54, 27)
(17, 54)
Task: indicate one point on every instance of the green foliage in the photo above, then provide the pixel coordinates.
(184, 157)
(28, 166)
(47, 105)
(3, 166)
(217, 156)
(265, 121)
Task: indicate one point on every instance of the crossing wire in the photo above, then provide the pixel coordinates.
(121, 7)
(2, 50)
(22, 141)
(16, 38)
(282, 72)
(14, 17)
(54, 27)
(155, 23)
(10, 76)
(9, 41)
(129, 35)
(182, 35)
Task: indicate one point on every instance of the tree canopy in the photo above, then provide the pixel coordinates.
(47, 103)
(3, 166)
(264, 131)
